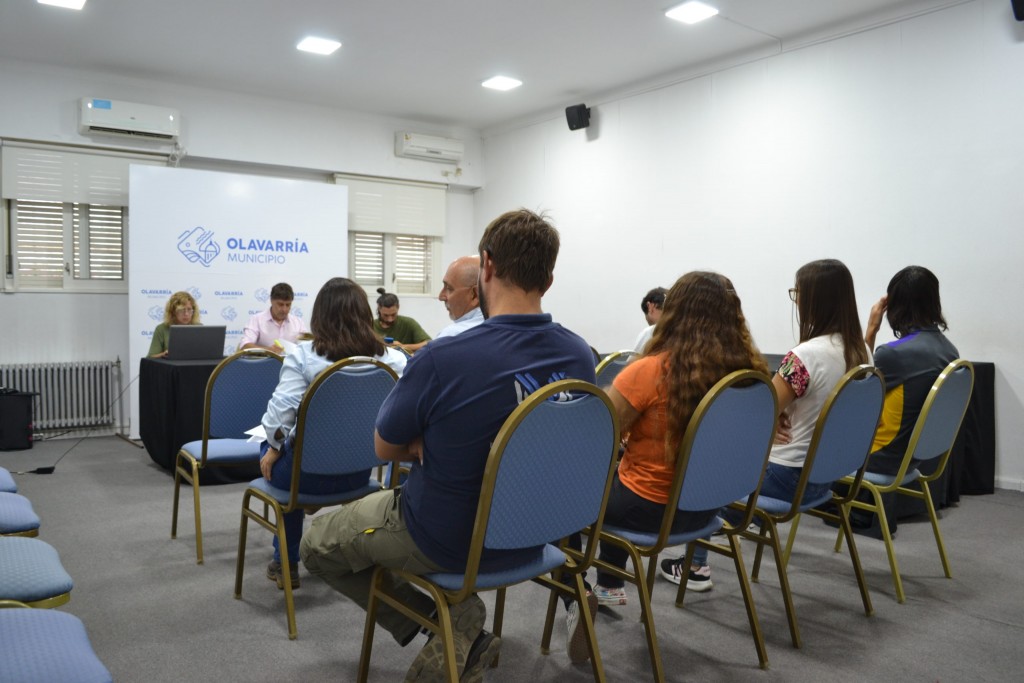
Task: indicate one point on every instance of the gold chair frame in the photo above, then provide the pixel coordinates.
(187, 467)
(924, 494)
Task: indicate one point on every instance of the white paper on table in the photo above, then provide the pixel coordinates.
(286, 346)
(257, 434)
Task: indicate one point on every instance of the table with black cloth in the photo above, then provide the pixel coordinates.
(971, 466)
(171, 401)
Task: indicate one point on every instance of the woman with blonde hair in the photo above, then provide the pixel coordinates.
(181, 309)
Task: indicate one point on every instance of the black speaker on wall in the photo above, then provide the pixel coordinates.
(1018, 9)
(577, 116)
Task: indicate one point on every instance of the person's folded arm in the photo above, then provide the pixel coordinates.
(391, 452)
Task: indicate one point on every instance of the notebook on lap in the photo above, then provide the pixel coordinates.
(196, 342)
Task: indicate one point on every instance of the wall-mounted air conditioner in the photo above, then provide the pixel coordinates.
(431, 147)
(110, 117)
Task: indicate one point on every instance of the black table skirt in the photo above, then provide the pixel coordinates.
(171, 396)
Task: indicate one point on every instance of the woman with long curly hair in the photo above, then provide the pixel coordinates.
(181, 309)
(702, 336)
(341, 326)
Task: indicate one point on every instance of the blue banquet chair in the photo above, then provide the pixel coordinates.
(839, 445)
(17, 518)
(611, 365)
(722, 459)
(236, 398)
(931, 441)
(46, 646)
(7, 484)
(523, 506)
(31, 572)
(333, 437)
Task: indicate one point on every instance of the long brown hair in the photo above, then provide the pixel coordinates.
(342, 323)
(827, 304)
(703, 336)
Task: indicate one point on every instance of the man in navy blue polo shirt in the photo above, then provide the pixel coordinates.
(442, 416)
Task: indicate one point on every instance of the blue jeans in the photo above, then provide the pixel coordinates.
(281, 477)
(780, 483)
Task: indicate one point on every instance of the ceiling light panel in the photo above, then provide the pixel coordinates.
(66, 4)
(501, 83)
(691, 12)
(320, 46)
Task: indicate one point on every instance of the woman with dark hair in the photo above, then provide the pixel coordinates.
(181, 309)
(701, 337)
(403, 331)
(831, 344)
(341, 326)
(911, 363)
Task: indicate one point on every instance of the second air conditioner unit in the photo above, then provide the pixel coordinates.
(111, 117)
(430, 147)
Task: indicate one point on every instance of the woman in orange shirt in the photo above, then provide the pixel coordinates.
(702, 336)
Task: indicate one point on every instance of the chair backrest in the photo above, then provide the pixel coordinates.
(942, 413)
(726, 445)
(846, 427)
(238, 391)
(334, 428)
(548, 472)
(612, 364)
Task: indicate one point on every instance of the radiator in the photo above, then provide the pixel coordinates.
(70, 395)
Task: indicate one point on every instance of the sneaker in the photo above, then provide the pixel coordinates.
(467, 623)
(699, 579)
(484, 651)
(275, 574)
(610, 596)
(576, 638)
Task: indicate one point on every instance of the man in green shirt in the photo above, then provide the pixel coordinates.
(406, 332)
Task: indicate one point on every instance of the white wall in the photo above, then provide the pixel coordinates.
(896, 146)
(225, 131)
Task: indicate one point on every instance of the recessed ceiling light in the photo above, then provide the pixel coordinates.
(320, 46)
(66, 4)
(691, 12)
(501, 83)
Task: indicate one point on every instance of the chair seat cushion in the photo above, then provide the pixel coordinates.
(315, 499)
(883, 480)
(16, 514)
(224, 451)
(648, 538)
(535, 563)
(41, 646)
(30, 570)
(775, 506)
(7, 484)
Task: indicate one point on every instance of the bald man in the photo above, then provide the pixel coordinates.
(460, 296)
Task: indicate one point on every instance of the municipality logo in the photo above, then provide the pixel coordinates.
(197, 246)
(262, 294)
(194, 293)
(297, 312)
(228, 313)
(156, 313)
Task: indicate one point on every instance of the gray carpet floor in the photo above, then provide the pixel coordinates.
(153, 614)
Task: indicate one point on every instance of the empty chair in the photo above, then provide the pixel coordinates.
(523, 507)
(7, 484)
(611, 365)
(236, 396)
(17, 518)
(45, 646)
(840, 444)
(932, 440)
(31, 572)
(333, 438)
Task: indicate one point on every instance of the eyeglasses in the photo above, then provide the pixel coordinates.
(185, 309)
(793, 291)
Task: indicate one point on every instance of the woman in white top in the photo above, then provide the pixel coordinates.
(342, 326)
(831, 343)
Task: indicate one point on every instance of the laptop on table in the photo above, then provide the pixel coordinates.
(196, 342)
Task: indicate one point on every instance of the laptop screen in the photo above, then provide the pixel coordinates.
(196, 342)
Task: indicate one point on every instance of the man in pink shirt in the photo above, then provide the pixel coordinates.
(264, 329)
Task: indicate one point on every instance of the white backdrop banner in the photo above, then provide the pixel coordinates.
(227, 239)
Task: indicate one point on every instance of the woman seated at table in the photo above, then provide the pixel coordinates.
(181, 309)
(341, 326)
(701, 337)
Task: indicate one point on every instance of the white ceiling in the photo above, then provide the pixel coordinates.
(424, 59)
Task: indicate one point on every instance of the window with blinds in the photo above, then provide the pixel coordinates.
(403, 264)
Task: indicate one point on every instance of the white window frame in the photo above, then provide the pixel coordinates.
(64, 176)
(392, 209)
